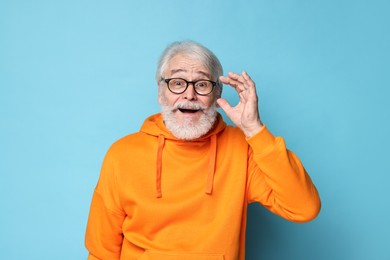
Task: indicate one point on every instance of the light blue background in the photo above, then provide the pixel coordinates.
(77, 75)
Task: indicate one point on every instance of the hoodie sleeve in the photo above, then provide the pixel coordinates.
(278, 180)
(104, 236)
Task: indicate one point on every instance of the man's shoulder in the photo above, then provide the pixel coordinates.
(128, 141)
(234, 132)
(232, 136)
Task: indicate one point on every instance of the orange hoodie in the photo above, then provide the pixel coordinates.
(160, 198)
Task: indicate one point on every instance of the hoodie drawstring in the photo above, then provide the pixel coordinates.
(161, 143)
(211, 165)
(211, 168)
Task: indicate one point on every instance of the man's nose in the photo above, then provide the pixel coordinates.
(190, 93)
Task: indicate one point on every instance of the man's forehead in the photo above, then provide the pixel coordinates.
(184, 64)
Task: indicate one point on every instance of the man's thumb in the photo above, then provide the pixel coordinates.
(223, 104)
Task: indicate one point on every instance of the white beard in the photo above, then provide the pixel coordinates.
(187, 129)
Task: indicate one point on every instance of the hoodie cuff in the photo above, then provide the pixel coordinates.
(262, 142)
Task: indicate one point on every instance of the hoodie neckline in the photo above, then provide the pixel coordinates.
(154, 126)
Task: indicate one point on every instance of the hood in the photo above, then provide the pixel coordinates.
(154, 126)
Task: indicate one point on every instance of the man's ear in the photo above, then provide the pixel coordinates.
(159, 97)
(218, 94)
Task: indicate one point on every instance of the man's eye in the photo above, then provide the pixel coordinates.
(178, 83)
(201, 84)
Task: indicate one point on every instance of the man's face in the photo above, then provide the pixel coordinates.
(187, 115)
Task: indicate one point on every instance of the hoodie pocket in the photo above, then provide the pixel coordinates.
(155, 255)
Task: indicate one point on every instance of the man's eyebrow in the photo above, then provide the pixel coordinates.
(182, 70)
(178, 70)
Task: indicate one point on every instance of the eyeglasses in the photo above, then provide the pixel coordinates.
(202, 87)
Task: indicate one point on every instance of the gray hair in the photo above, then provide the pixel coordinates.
(196, 51)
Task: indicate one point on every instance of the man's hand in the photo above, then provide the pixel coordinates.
(245, 114)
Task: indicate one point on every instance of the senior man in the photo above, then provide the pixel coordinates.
(179, 188)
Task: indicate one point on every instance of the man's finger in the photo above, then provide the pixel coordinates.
(232, 82)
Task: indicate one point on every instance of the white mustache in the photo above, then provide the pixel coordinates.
(189, 105)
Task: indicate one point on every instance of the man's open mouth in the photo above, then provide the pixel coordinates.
(184, 110)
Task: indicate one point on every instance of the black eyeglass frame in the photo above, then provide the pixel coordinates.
(213, 83)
